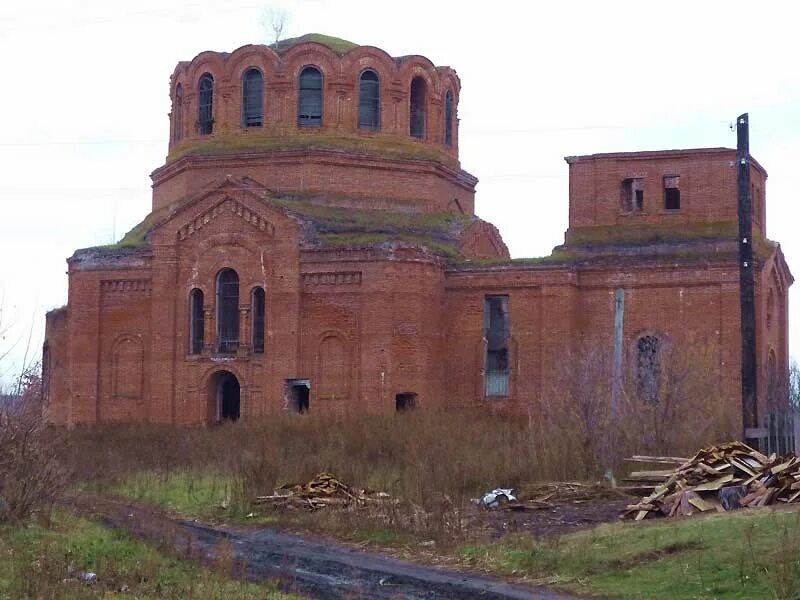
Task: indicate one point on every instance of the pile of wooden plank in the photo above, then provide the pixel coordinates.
(718, 478)
(322, 491)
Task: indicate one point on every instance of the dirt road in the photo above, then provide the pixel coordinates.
(320, 570)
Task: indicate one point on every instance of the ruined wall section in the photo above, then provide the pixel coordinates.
(706, 178)
(226, 229)
(377, 314)
(108, 321)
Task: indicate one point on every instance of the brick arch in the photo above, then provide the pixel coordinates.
(208, 382)
(252, 55)
(333, 365)
(311, 54)
(368, 57)
(207, 61)
(127, 367)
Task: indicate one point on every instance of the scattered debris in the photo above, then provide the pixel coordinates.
(718, 478)
(497, 498)
(87, 576)
(322, 491)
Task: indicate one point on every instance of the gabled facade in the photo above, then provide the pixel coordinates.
(313, 247)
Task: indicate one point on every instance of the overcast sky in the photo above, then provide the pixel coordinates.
(85, 98)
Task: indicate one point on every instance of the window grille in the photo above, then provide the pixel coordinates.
(309, 113)
(649, 368)
(252, 98)
(258, 311)
(197, 323)
(497, 334)
(448, 118)
(417, 116)
(228, 311)
(205, 117)
(369, 108)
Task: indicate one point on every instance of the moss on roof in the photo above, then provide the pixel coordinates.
(643, 235)
(382, 146)
(334, 226)
(338, 45)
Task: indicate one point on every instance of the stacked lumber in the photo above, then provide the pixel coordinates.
(718, 478)
(322, 491)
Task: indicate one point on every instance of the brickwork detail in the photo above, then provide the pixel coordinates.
(360, 310)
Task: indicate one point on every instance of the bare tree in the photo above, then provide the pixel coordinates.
(275, 19)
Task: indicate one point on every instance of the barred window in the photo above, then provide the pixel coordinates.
(309, 113)
(369, 107)
(417, 115)
(258, 311)
(196, 321)
(205, 117)
(648, 369)
(448, 118)
(227, 311)
(252, 98)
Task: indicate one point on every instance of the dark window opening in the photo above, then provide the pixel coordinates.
(252, 98)
(672, 192)
(229, 395)
(197, 323)
(299, 392)
(448, 118)
(369, 101)
(497, 334)
(177, 114)
(309, 112)
(205, 117)
(632, 194)
(405, 401)
(227, 311)
(417, 115)
(258, 310)
(649, 368)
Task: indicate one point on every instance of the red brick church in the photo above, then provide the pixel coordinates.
(313, 246)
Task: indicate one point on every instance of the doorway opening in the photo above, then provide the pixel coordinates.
(299, 394)
(405, 401)
(225, 397)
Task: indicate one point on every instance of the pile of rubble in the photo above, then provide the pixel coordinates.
(322, 491)
(717, 478)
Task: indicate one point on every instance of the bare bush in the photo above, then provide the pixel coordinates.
(31, 472)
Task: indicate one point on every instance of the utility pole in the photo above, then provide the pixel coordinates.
(746, 283)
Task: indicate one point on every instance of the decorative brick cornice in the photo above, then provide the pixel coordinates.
(227, 205)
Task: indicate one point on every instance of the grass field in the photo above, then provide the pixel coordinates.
(737, 556)
(45, 561)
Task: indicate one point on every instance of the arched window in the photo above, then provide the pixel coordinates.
(227, 311)
(252, 98)
(205, 115)
(258, 312)
(196, 321)
(309, 110)
(369, 101)
(648, 367)
(448, 118)
(417, 115)
(177, 113)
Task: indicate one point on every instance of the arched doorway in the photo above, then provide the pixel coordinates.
(224, 397)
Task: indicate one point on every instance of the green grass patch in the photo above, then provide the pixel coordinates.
(732, 556)
(200, 494)
(338, 45)
(383, 146)
(44, 562)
